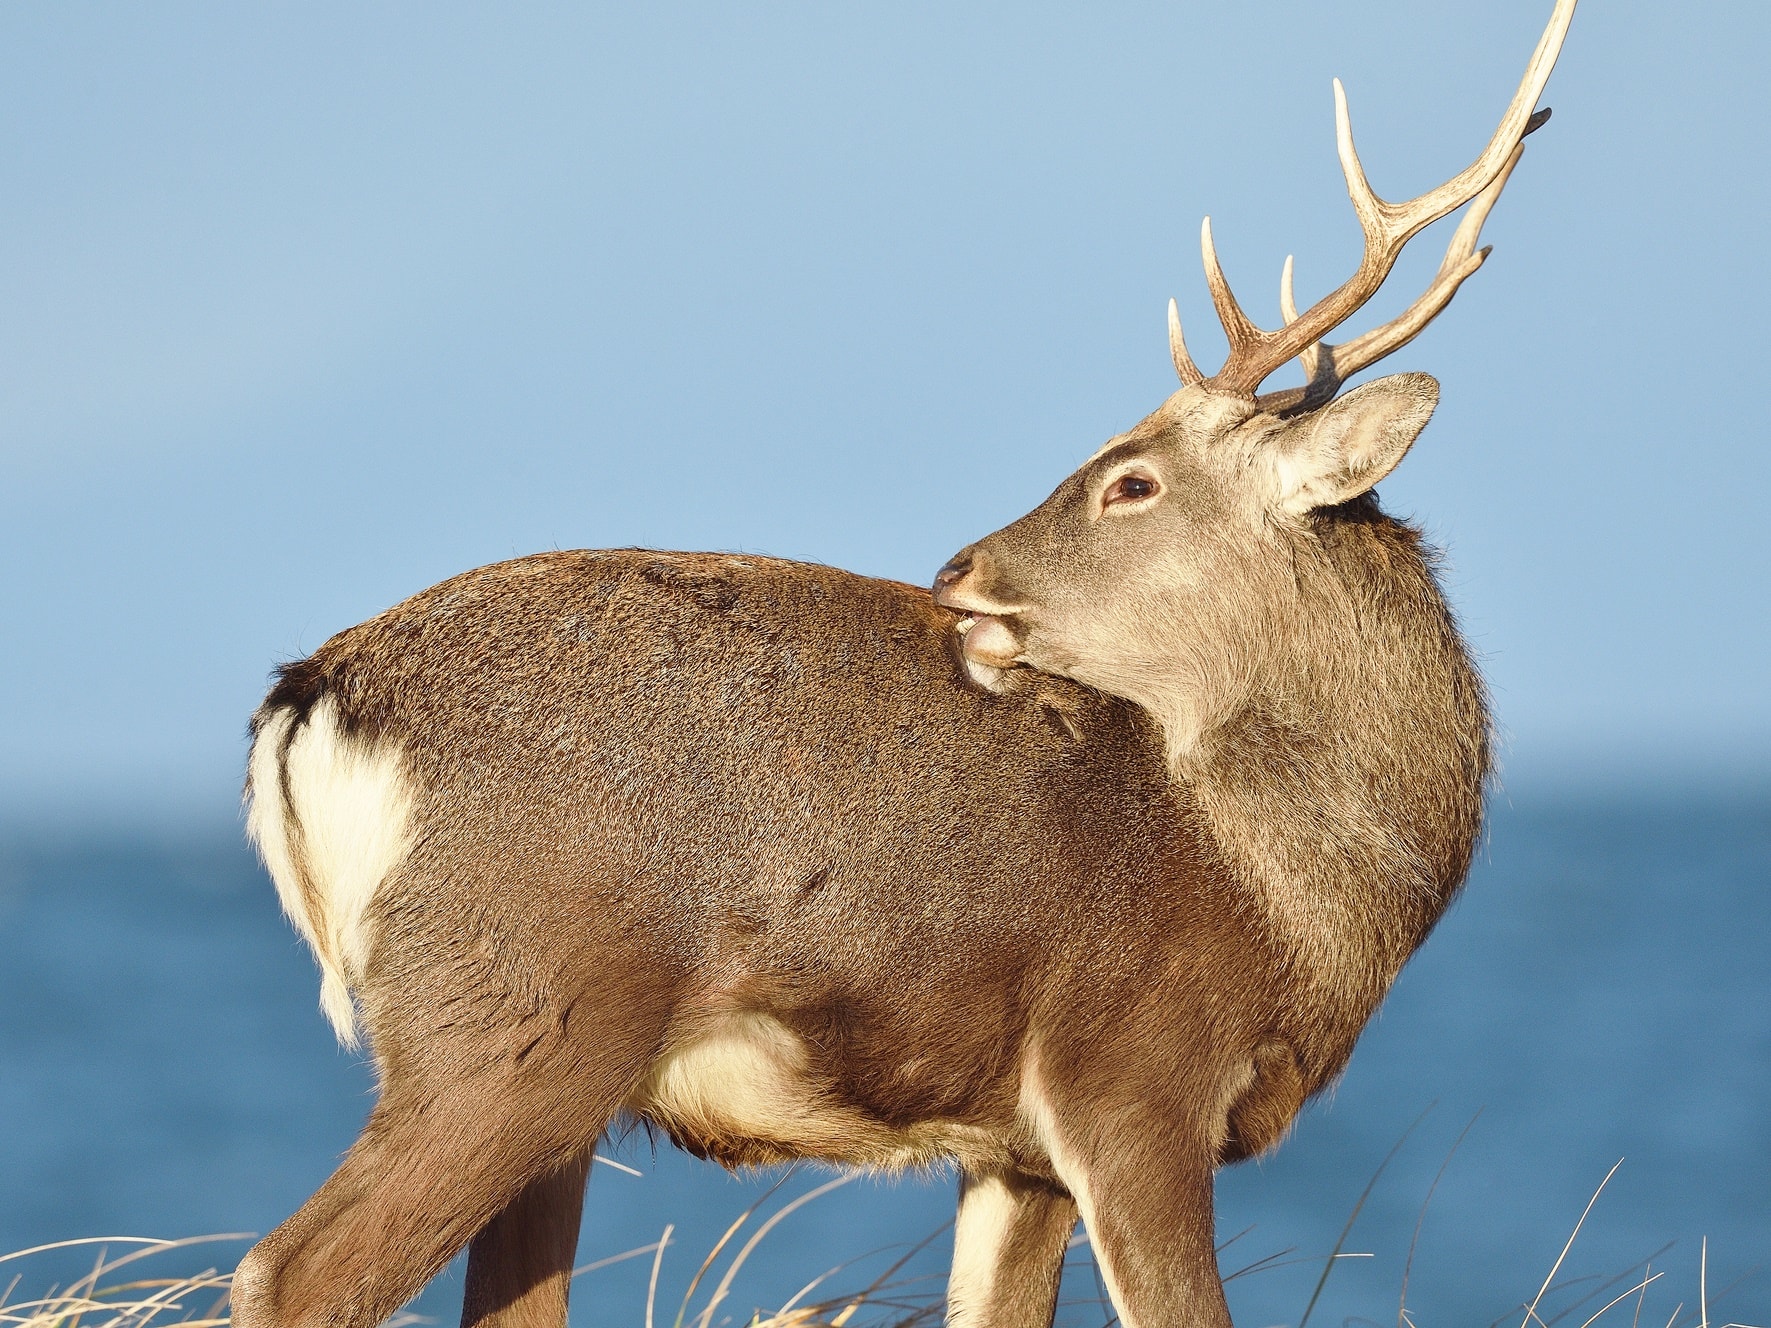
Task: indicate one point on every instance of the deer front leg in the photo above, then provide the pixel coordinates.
(519, 1268)
(1008, 1251)
(1144, 1186)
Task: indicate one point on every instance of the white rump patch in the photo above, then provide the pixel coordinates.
(331, 818)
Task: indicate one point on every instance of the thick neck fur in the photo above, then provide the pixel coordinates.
(1342, 768)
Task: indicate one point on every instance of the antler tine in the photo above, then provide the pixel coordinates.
(1177, 350)
(1366, 204)
(1310, 356)
(1256, 353)
(1514, 125)
(1237, 325)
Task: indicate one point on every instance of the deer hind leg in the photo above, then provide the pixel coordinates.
(519, 1268)
(427, 1174)
(467, 1131)
(1008, 1251)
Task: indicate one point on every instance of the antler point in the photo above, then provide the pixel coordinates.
(1255, 353)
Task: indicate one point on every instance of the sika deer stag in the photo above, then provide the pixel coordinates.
(1084, 872)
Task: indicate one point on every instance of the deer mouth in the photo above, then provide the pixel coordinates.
(987, 640)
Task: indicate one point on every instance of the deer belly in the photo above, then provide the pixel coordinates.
(744, 1093)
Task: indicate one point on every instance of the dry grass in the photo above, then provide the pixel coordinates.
(119, 1292)
(116, 1293)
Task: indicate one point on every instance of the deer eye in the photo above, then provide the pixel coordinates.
(1129, 489)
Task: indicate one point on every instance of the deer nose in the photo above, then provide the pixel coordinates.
(955, 570)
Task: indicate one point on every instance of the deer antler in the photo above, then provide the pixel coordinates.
(1256, 353)
(1328, 366)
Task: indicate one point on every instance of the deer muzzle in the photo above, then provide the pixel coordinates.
(963, 584)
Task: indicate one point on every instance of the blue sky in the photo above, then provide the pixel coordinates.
(307, 307)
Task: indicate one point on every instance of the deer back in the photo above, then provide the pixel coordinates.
(716, 784)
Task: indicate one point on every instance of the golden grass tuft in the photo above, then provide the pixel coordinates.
(117, 1293)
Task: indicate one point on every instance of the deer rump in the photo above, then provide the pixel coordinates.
(731, 846)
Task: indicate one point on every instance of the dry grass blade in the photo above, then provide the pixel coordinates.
(1262, 1264)
(657, 1261)
(1352, 1217)
(96, 1299)
(1573, 1307)
(1268, 1265)
(725, 1284)
(1727, 1290)
(790, 1312)
(1402, 1318)
(611, 1259)
(883, 1280)
(619, 1166)
(1640, 1289)
(1531, 1309)
(914, 1307)
(150, 1244)
(1219, 1251)
(695, 1281)
(793, 1312)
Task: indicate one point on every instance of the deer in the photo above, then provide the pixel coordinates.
(1079, 872)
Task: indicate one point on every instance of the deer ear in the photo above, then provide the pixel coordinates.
(1344, 448)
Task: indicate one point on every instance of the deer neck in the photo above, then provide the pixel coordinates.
(1342, 777)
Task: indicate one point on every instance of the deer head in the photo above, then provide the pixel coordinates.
(1183, 566)
(1164, 570)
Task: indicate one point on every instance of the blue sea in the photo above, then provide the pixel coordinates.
(1602, 991)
